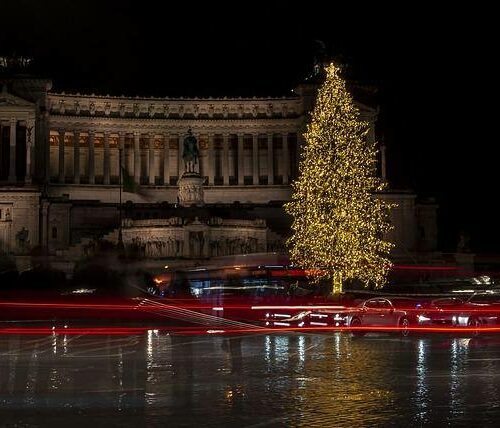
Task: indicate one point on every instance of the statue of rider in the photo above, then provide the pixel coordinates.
(190, 152)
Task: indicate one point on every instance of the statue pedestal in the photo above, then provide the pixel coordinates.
(191, 189)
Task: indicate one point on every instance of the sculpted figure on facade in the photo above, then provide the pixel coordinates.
(137, 110)
(22, 239)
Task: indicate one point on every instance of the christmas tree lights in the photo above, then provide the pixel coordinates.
(339, 226)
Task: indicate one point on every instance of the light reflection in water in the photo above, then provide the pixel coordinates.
(458, 357)
(421, 392)
(281, 348)
(270, 380)
(302, 351)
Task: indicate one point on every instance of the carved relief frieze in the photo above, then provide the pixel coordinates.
(68, 140)
(158, 143)
(114, 142)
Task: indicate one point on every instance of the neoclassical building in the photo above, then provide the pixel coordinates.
(60, 157)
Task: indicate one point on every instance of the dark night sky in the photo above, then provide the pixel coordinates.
(433, 67)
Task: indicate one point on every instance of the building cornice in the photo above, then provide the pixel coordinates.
(83, 124)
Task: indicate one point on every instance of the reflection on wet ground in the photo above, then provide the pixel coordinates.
(301, 380)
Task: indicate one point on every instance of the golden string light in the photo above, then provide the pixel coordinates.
(339, 227)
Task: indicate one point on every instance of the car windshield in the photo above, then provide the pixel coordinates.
(485, 298)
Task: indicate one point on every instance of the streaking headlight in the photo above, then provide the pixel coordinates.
(423, 318)
(299, 316)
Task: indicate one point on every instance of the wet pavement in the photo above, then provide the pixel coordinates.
(266, 380)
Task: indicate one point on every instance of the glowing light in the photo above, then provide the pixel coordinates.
(338, 225)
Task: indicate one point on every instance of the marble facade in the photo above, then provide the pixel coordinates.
(60, 157)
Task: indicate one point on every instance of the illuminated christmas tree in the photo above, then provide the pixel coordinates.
(339, 227)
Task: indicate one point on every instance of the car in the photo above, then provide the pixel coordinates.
(376, 312)
(481, 309)
(439, 312)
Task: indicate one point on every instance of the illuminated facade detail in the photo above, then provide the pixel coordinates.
(249, 152)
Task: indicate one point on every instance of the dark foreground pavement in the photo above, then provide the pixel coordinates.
(158, 379)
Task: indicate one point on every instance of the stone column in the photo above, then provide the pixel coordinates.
(211, 160)
(137, 158)
(166, 160)
(241, 159)
(270, 166)
(76, 157)
(12, 151)
(255, 159)
(225, 159)
(30, 139)
(151, 163)
(180, 162)
(91, 160)
(106, 160)
(286, 159)
(62, 174)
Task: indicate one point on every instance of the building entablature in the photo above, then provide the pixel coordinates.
(175, 108)
(173, 126)
(15, 107)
